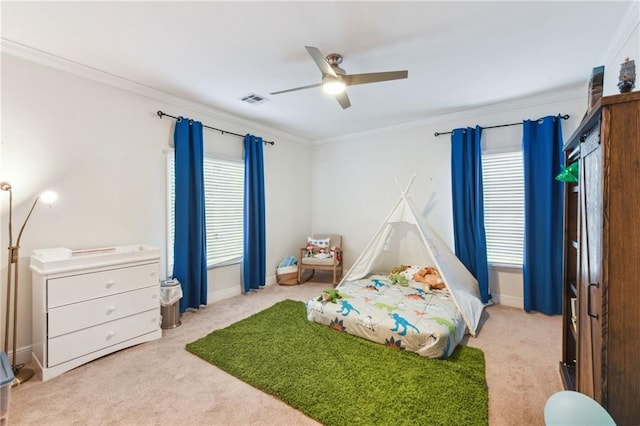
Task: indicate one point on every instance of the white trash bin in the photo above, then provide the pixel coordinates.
(170, 295)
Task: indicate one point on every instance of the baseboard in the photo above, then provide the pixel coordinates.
(23, 355)
(515, 302)
(226, 293)
(219, 295)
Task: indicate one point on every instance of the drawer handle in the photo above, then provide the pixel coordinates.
(110, 309)
(110, 283)
(110, 335)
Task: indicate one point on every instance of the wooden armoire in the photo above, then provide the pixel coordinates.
(601, 314)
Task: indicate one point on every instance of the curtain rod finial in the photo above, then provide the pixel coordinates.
(160, 113)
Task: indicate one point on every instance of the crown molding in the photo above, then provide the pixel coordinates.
(625, 30)
(57, 62)
(469, 114)
(627, 27)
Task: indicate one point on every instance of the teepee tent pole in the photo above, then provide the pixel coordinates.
(406, 190)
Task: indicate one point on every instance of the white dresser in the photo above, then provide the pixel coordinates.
(90, 303)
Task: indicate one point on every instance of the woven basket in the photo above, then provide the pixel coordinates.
(287, 275)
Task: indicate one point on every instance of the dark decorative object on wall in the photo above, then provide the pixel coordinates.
(627, 77)
(595, 86)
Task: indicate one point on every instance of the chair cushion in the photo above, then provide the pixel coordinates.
(317, 261)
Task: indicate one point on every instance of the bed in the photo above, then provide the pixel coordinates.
(406, 316)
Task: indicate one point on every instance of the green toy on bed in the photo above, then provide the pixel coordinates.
(397, 277)
(331, 295)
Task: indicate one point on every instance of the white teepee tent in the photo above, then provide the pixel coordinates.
(406, 239)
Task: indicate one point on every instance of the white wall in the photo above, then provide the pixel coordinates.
(103, 150)
(288, 201)
(624, 44)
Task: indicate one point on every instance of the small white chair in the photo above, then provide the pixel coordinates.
(569, 408)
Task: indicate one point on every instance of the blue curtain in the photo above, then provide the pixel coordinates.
(189, 247)
(468, 208)
(543, 218)
(254, 272)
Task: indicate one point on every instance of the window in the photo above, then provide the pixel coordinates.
(503, 186)
(224, 200)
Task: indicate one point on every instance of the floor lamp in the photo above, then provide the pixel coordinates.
(21, 374)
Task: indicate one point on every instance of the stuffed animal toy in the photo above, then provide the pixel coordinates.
(337, 252)
(430, 277)
(398, 269)
(321, 253)
(399, 279)
(396, 275)
(316, 251)
(312, 250)
(329, 296)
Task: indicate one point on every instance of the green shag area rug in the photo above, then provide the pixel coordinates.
(338, 379)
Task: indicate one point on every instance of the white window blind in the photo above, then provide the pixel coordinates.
(503, 186)
(224, 199)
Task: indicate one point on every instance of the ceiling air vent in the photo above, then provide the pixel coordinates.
(254, 99)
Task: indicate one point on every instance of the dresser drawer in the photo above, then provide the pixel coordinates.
(68, 318)
(78, 288)
(83, 342)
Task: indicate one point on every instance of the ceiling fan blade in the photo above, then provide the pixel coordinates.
(296, 88)
(343, 100)
(318, 58)
(374, 77)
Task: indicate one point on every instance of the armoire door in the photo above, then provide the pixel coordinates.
(589, 373)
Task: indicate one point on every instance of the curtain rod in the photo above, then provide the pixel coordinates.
(224, 132)
(564, 117)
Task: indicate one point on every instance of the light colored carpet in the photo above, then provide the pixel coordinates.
(160, 383)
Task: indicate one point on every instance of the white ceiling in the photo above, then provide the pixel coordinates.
(459, 55)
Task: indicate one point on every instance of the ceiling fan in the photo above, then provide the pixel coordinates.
(335, 79)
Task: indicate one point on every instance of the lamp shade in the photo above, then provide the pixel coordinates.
(569, 408)
(48, 197)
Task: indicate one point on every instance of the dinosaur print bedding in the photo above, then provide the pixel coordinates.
(406, 317)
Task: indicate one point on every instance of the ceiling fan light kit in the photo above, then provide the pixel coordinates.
(332, 85)
(335, 79)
